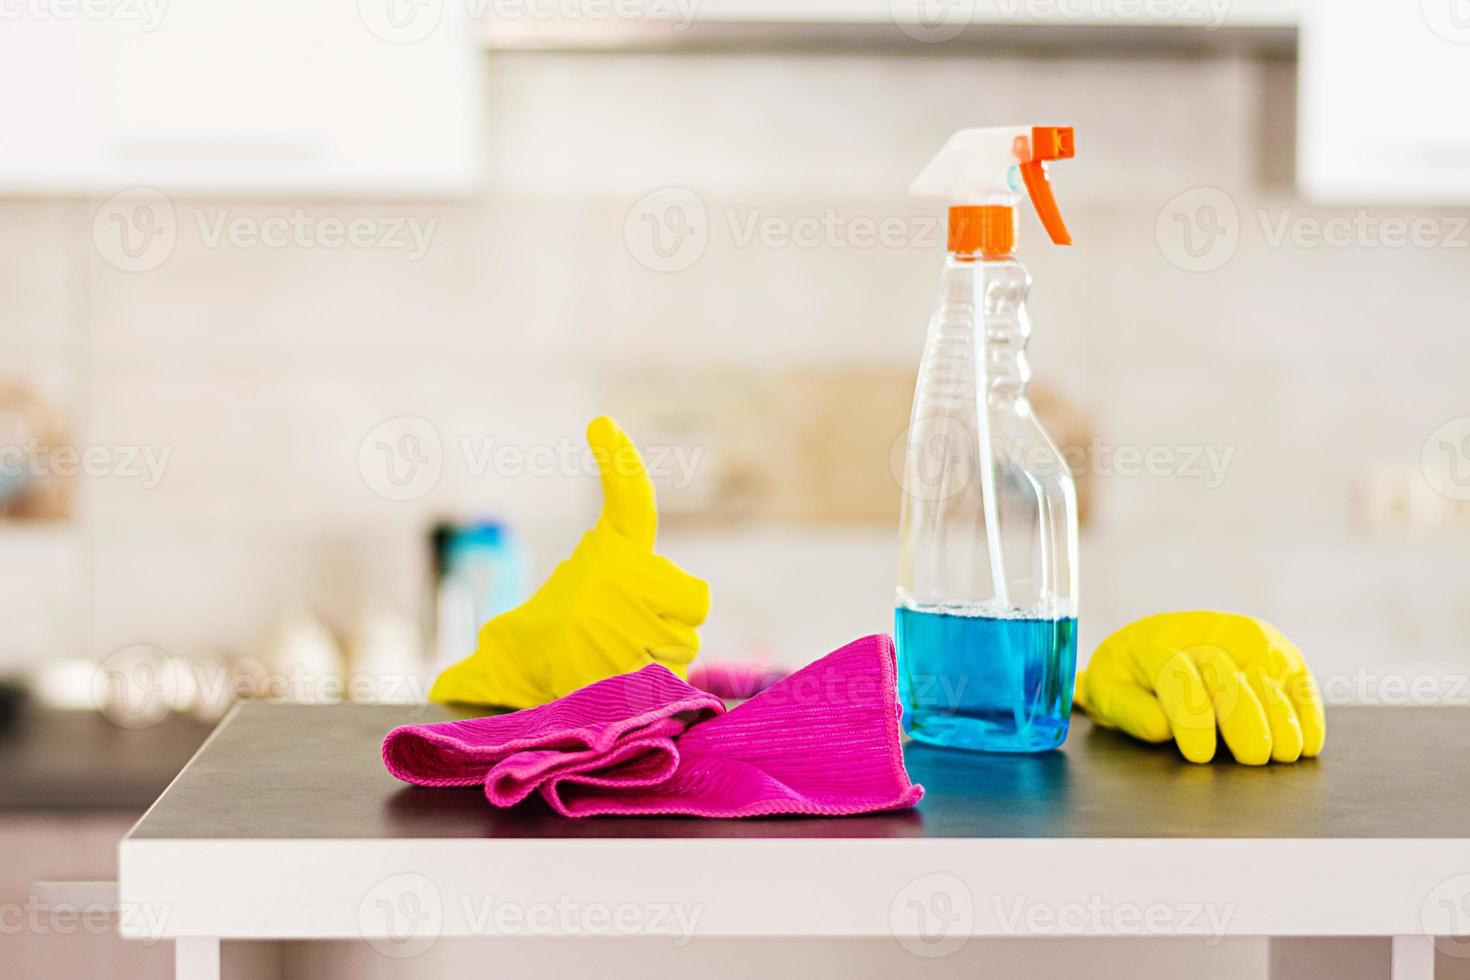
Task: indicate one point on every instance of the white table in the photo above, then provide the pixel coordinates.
(286, 826)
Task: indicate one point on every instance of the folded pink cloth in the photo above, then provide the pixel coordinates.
(512, 753)
(823, 741)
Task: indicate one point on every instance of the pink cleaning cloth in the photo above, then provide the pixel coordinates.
(630, 716)
(823, 741)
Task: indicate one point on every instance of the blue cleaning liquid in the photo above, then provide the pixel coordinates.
(985, 682)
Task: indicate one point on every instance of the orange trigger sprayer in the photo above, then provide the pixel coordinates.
(981, 172)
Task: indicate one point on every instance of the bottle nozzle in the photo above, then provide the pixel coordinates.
(978, 170)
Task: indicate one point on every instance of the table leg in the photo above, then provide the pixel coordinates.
(1413, 958)
(196, 958)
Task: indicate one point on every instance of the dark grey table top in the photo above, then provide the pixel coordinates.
(78, 760)
(293, 772)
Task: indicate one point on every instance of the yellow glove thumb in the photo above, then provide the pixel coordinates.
(612, 607)
(628, 503)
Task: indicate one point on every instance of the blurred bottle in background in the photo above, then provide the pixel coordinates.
(479, 573)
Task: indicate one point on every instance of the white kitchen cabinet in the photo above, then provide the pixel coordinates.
(272, 97)
(1383, 116)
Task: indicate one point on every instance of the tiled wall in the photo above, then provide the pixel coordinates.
(262, 370)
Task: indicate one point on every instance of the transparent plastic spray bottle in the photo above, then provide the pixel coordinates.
(987, 584)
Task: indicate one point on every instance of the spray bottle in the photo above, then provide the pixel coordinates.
(987, 582)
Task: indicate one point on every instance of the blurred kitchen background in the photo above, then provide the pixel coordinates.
(294, 289)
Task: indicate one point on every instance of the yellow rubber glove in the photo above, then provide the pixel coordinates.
(612, 607)
(1183, 675)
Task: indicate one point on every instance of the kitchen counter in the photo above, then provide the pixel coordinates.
(79, 760)
(286, 825)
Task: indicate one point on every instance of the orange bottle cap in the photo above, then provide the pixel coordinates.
(986, 229)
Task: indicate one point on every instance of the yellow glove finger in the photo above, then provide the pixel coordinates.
(670, 591)
(1286, 729)
(1301, 689)
(628, 504)
(1306, 697)
(1188, 706)
(1238, 712)
(1123, 704)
